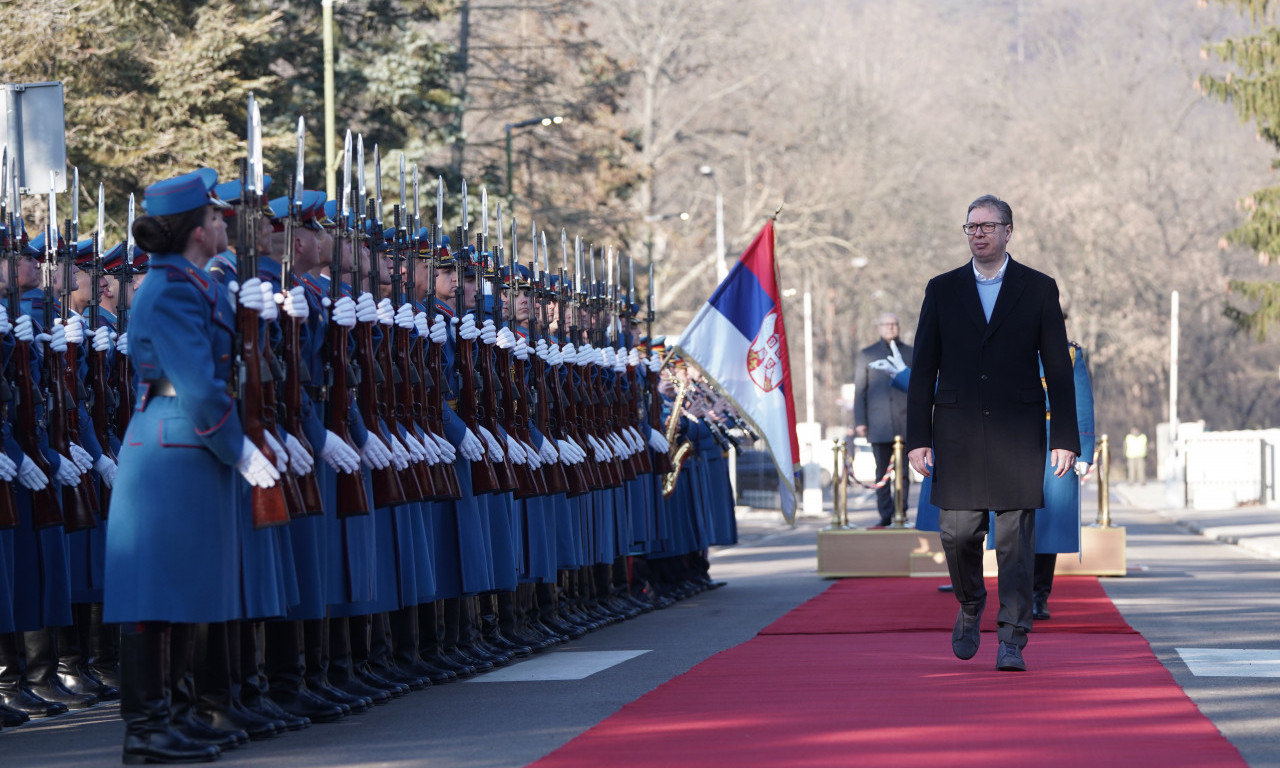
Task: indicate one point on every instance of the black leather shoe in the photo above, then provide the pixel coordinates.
(967, 634)
(201, 732)
(19, 697)
(239, 719)
(302, 703)
(165, 746)
(1009, 658)
(1040, 611)
(12, 718)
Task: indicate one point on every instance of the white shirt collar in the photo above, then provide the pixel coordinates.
(981, 278)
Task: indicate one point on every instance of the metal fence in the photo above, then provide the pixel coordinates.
(1231, 469)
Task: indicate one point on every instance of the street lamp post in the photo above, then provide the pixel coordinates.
(722, 268)
(509, 127)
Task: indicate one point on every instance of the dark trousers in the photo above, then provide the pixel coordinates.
(884, 494)
(963, 532)
(1045, 563)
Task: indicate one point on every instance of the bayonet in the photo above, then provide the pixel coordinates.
(346, 180)
(128, 238)
(102, 224)
(464, 213)
(439, 212)
(404, 204)
(417, 201)
(255, 126)
(75, 205)
(484, 215)
(361, 207)
(298, 185)
(377, 184)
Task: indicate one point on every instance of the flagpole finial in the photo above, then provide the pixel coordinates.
(774, 217)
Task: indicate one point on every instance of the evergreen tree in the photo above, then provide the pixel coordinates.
(1253, 88)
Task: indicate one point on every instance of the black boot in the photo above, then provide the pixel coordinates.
(285, 674)
(342, 670)
(73, 663)
(14, 692)
(144, 702)
(315, 653)
(102, 646)
(406, 644)
(362, 645)
(218, 701)
(41, 673)
(182, 691)
(435, 629)
(252, 679)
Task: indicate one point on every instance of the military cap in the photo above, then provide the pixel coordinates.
(232, 192)
(181, 194)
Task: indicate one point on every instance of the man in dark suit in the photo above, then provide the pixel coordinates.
(976, 420)
(880, 411)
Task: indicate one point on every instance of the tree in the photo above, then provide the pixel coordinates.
(1253, 88)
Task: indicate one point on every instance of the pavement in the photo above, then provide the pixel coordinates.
(1200, 585)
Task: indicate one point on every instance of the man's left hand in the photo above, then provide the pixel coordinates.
(1063, 461)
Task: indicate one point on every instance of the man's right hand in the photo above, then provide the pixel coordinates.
(860, 430)
(921, 460)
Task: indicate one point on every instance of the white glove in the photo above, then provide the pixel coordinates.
(106, 469)
(471, 448)
(122, 343)
(616, 445)
(366, 310)
(521, 350)
(587, 355)
(73, 329)
(67, 473)
(1082, 468)
(633, 358)
(22, 331)
(374, 452)
(602, 452)
(422, 325)
(568, 354)
(892, 364)
(658, 442)
(581, 452)
(6, 325)
(488, 332)
(340, 456)
(30, 476)
(491, 443)
(269, 311)
(416, 452)
(608, 357)
(294, 303)
(255, 467)
(386, 312)
(448, 454)
(428, 447)
(637, 442)
(439, 330)
(515, 451)
(250, 297)
(399, 454)
(404, 317)
(506, 339)
(620, 360)
(548, 452)
(57, 341)
(84, 462)
(540, 349)
(535, 459)
(282, 456)
(467, 328)
(567, 454)
(8, 470)
(554, 357)
(102, 338)
(300, 461)
(344, 312)
(655, 362)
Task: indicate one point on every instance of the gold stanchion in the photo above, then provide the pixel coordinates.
(899, 483)
(839, 489)
(1104, 483)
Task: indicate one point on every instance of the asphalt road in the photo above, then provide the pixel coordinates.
(1183, 591)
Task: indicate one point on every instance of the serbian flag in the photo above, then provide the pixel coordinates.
(739, 343)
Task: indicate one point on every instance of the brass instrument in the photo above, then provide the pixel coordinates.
(678, 453)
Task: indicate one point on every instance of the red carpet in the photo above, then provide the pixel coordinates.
(861, 606)
(838, 682)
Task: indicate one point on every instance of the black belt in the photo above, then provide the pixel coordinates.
(162, 388)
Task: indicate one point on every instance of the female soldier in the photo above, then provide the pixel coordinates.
(171, 546)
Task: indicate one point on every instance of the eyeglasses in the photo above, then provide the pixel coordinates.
(987, 227)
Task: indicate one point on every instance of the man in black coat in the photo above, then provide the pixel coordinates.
(880, 410)
(976, 420)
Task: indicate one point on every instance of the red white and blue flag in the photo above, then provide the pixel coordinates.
(739, 342)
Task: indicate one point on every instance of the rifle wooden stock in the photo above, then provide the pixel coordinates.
(582, 476)
(553, 473)
(269, 505)
(387, 490)
(631, 415)
(100, 410)
(484, 478)
(46, 510)
(505, 469)
(8, 504)
(392, 414)
(661, 459)
(352, 496)
(409, 412)
(529, 480)
(78, 503)
(429, 410)
(308, 484)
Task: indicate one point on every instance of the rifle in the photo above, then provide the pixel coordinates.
(484, 477)
(387, 487)
(554, 473)
(122, 370)
(503, 400)
(396, 383)
(567, 394)
(78, 504)
(489, 415)
(291, 345)
(8, 504)
(352, 496)
(101, 396)
(661, 460)
(269, 505)
(429, 389)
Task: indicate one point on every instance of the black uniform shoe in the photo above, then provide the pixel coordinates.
(1040, 609)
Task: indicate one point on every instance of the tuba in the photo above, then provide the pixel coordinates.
(678, 453)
